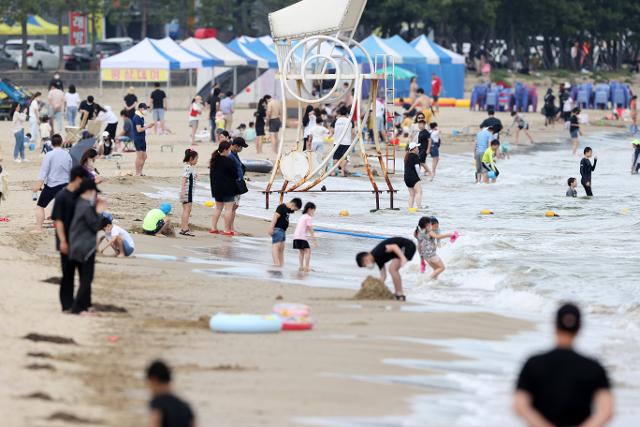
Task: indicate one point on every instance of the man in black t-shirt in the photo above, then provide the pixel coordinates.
(167, 410)
(214, 104)
(562, 387)
(278, 230)
(87, 110)
(62, 214)
(158, 108)
(396, 250)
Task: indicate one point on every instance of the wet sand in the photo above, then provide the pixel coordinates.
(230, 380)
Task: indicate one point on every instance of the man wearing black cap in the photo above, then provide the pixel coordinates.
(237, 144)
(87, 221)
(562, 387)
(140, 136)
(62, 214)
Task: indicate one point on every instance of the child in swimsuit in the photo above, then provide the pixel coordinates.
(428, 241)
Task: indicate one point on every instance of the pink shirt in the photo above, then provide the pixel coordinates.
(304, 224)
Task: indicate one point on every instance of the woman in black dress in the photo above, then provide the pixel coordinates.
(223, 175)
(549, 107)
(411, 175)
(260, 115)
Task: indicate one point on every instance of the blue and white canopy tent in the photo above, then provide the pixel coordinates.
(447, 64)
(223, 57)
(255, 50)
(261, 51)
(403, 56)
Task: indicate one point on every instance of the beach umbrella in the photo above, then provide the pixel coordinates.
(399, 73)
(79, 148)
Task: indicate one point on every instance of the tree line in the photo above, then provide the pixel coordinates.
(571, 34)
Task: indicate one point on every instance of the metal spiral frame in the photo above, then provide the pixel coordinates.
(294, 70)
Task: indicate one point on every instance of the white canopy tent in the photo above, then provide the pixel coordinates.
(187, 59)
(144, 55)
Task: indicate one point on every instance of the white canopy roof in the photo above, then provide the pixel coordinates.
(144, 55)
(185, 58)
(312, 17)
(192, 46)
(218, 49)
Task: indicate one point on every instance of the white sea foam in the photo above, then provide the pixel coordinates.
(515, 262)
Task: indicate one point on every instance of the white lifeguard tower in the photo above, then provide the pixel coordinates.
(314, 43)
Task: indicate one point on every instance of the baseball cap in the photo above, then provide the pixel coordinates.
(166, 208)
(239, 141)
(413, 145)
(142, 106)
(568, 318)
(105, 133)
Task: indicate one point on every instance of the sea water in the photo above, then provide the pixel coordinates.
(515, 262)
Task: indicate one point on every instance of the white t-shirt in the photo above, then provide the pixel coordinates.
(72, 99)
(343, 125)
(33, 111)
(379, 108)
(45, 130)
(312, 123)
(568, 105)
(318, 133)
(119, 232)
(435, 136)
(107, 116)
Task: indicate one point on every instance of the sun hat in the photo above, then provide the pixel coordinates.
(413, 145)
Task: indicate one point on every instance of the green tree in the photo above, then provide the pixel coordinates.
(19, 11)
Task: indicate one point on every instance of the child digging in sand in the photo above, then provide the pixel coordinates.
(300, 241)
(118, 238)
(187, 189)
(428, 241)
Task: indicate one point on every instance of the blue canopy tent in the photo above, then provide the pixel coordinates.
(404, 56)
(413, 61)
(448, 65)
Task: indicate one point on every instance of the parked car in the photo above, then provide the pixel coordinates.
(79, 58)
(7, 62)
(39, 54)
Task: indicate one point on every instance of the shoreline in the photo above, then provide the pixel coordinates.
(279, 377)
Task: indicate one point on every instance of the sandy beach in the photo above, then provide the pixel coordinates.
(159, 308)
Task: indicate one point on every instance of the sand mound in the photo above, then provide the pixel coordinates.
(373, 288)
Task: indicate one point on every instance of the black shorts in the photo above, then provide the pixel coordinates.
(275, 125)
(300, 244)
(159, 226)
(422, 156)
(340, 152)
(48, 194)
(435, 98)
(140, 145)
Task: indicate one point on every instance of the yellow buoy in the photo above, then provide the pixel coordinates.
(208, 204)
(625, 211)
(344, 213)
(550, 214)
(486, 212)
(413, 210)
